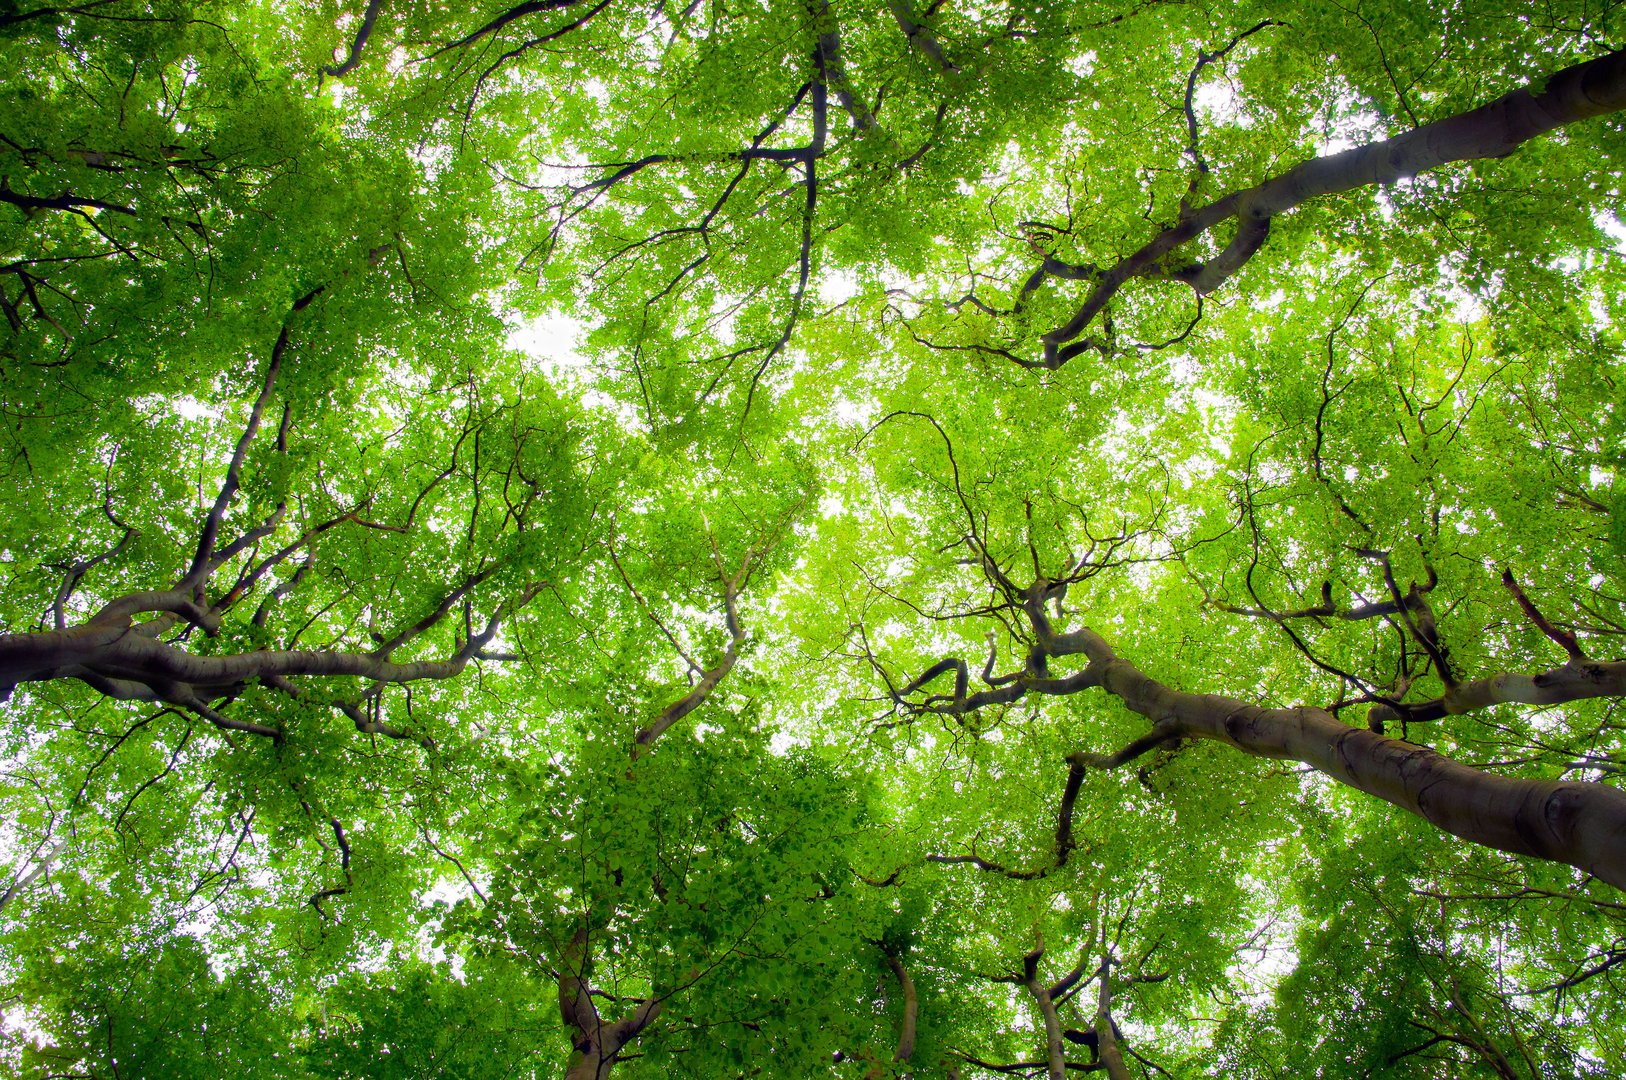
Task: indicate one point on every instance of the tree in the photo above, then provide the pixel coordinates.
(583, 539)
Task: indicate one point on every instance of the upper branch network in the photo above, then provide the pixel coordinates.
(1594, 88)
(134, 646)
(1583, 824)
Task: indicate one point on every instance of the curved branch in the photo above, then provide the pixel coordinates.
(911, 1012)
(1581, 824)
(1572, 682)
(597, 1045)
(1066, 842)
(911, 1009)
(1157, 737)
(707, 682)
(517, 12)
(1564, 638)
(1593, 88)
(362, 34)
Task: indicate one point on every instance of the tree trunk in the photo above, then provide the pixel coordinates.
(1111, 1055)
(911, 1010)
(597, 1044)
(1054, 1049)
(591, 1065)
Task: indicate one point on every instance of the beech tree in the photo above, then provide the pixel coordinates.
(597, 539)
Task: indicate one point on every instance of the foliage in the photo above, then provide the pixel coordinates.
(812, 539)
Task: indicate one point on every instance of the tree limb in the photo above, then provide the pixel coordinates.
(1593, 88)
(363, 32)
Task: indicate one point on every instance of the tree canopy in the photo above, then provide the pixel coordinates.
(811, 538)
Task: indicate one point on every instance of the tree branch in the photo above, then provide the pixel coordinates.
(1593, 88)
(363, 32)
(1565, 639)
(201, 562)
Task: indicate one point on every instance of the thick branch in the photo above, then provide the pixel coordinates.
(1565, 639)
(597, 1045)
(1594, 88)
(517, 12)
(911, 1009)
(36, 657)
(1572, 682)
(575, 1001)
(1106, 1032)
(1324, 610)
(119, 612)
(1055, 1052)
(1157, 737)
(1066, 842)
(1193, 146)
(831, 68)
(362, 34)
(12, 18)
(42, 866)
(67, 201)
(1581, 824)
(921, 37)
(125, 664)
(439, 612)
(1013, 1067)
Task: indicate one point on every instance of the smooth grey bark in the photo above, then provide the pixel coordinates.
(911, 1013)
(1581, 824)
(1111, 1054)
(597, 1044)
(911, 1009)
(1578, 823)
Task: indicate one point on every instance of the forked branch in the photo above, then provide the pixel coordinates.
(597, 1044)
(1582, 824)
(712, 676)
(1593, 88)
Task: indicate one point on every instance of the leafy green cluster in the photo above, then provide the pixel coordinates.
(560, 438)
